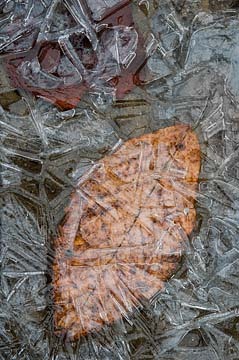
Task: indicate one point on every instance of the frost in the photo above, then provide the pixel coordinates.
(188, 74)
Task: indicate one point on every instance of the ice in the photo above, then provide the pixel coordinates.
(80, 53)
(20, 20)
(189, 74)
(99, 8)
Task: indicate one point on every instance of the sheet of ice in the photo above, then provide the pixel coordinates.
(191, 76)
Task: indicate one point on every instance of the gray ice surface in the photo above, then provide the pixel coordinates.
(191, 76)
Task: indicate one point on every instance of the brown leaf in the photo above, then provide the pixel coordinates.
(125, 229)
